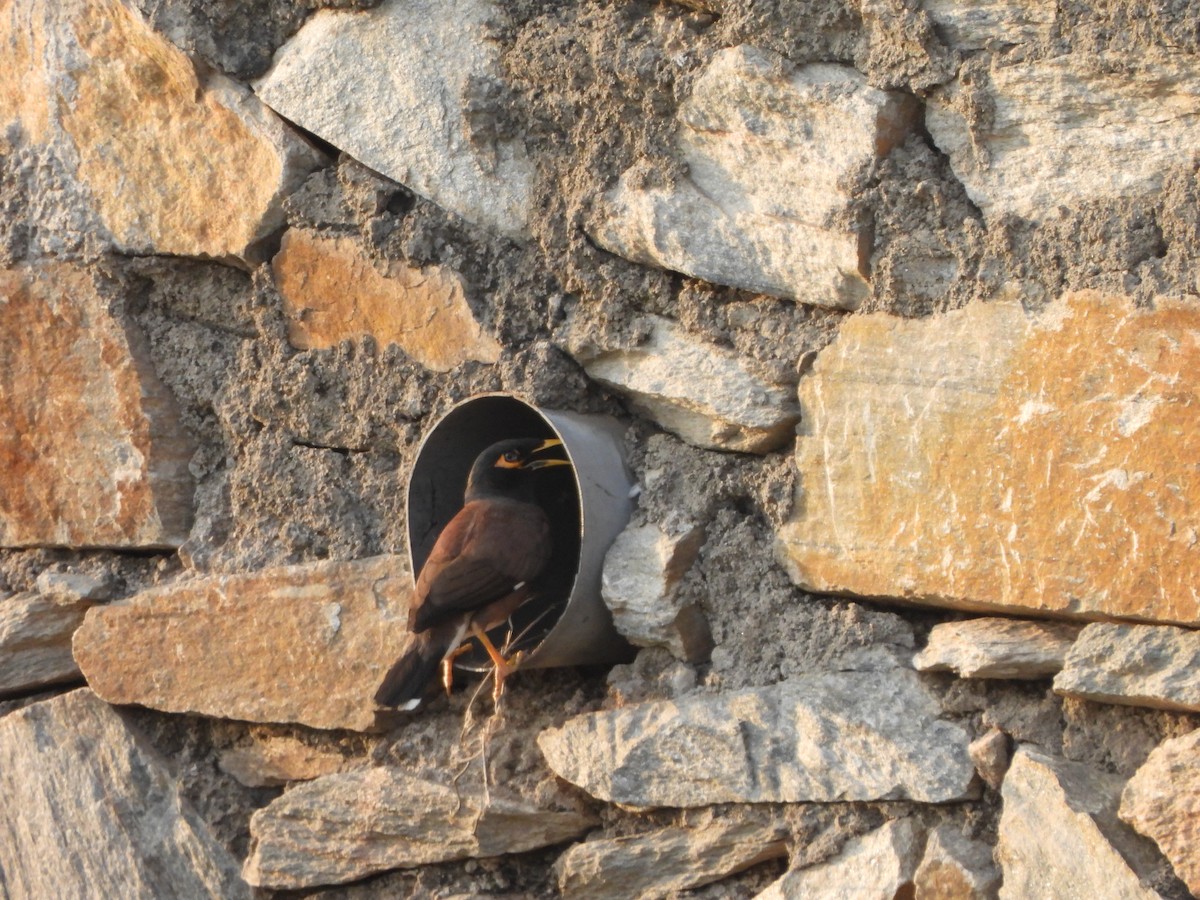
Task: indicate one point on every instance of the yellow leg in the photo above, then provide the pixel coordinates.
(503, 667)
(448, 667)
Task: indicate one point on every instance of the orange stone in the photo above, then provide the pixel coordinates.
(988, 459)
(333, 292)
(92, 451)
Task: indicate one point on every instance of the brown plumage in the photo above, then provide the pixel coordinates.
(479, 570)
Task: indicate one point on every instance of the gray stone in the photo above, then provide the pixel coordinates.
(1060, 836)
(705, 394)
(997, 648)
(407, 89)
(641, 570)
(829, 737)
(345, 827)
(88, 810)
(955, 867)
(35, 641)
(707, 848)
(1137, 665)
(1064, 130)
(876, 866)
(814, 129)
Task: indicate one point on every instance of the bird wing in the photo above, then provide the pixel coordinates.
(482, 554)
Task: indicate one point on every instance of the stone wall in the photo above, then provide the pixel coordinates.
(897, 300)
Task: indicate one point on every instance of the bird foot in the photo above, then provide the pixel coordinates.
(448, 667)
(502, 669)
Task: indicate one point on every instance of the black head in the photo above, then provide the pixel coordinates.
(505, 468)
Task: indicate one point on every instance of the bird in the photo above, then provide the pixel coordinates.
(479, 570)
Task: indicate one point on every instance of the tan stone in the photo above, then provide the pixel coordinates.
(955, 867)
(306, 644)
(1162, 801)
(345, 827)
(170, 161)
(92, 452)
(87, 809)
(989, 460)
(991, 24)
(1138, 665)
(332, 292)
(35, 641)
(991, 753)
(997, 648)
(278, 759)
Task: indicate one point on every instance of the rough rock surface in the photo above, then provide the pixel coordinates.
(331, 292)
(306, 644)
(991, 23)
(1060, 836)
(991, 753)
(344, 827)
(58, 759)
(1077, 127)
(412, 89)
(35, 641)
(167, 160)
(706, 394)
(1162, 801)
(641, 571)
(93, 452)
(955, 867)
(661, 862)
(278, 759)
(1068, 495)
(1141, 665)
(835, 737)
(877, 866)
(816, 128)
(997, 648)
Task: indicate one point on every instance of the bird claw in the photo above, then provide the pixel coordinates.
(502, 669)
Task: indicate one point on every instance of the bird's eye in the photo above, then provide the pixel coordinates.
(512, 456)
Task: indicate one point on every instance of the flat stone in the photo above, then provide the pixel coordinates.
(878, 865)
(661, 862)
(814, 128)
(166, 159)
(997, 648)
(345, 827)
(1137, 665)
(1162, 801)
(1060, 836)
(412, 89)
(955, 867)
(93, 453)
(35, 641)
(991, 24)
(332, 292)
(1064, 130)
(305, 644)
(88, 810)
(837, 736)
(705, 394)
(641, 571)
(991, 753)
(278, 759)
(1065, 495)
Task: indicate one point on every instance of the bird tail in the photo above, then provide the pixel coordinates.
(405, 683)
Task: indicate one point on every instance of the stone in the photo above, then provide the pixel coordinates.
(413, 89)
(303, 644)
(831, 737)
(75, 586)
(705, 394)
(87, 809)
(1059, 833)
(1162, 801)
(1136, 665)
(815, 129)
(664, 861)
(641, 570)
(991, 24)
(991, 753)
(1064, 495)
(278, 759)
(332, 292)
(955, 867)
(997, 648)
(876, 866)
(166, 160)
(345, 827)
(35, 641)
(1065, 130)
(93, 452)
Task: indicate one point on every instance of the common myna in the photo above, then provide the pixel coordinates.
(479, 570)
